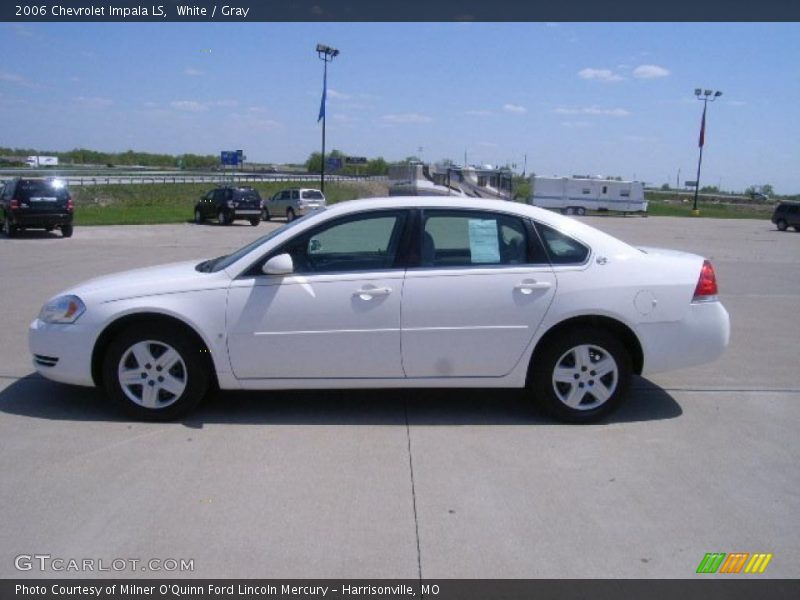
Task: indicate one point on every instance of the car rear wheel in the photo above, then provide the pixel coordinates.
(156, 374)
(581, 376)
(782, 224)
(255, 221)
(9, 229)
(222, 218)
(580, 211)
(66, 230)
(290, 215)
(265, 214)
(198, 217)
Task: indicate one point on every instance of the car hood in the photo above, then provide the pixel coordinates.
(149, 281)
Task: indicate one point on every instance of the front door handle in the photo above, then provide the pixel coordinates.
(370, 293)
(528, 286)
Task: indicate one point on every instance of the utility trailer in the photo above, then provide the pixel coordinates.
(576, 195)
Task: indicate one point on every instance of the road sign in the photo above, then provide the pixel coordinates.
(356, 160)
(690, 183)
(334, 164)
(229, 158)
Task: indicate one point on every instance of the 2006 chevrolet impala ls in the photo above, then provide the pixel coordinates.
(392, 292)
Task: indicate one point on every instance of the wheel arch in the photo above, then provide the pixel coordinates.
(614, 326)
(123, 322)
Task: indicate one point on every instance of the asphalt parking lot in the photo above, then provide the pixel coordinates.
(472, 484)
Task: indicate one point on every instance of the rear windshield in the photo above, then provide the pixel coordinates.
(249, 195)
(313, 195)
(40, 189)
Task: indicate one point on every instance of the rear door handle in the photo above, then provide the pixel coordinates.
(527, 287)
(370, 293)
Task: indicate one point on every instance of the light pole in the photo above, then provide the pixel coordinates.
(325, 54)
(706, 96)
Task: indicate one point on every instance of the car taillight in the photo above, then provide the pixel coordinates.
(14, 204)
(70, 203)
(707, 284)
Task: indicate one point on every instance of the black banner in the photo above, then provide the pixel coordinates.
(395, 589)
(407, 10)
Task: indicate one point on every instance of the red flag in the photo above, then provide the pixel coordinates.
(703, 128)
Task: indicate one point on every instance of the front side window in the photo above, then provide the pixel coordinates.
(562, 249)
(472, 238)
(363, 243)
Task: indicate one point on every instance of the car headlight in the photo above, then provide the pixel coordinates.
(63, 309)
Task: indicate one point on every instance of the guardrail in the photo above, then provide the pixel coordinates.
(217, 179)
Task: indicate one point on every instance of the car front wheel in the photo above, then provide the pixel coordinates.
(155, 374)
(782, 225)
(265, 214)
(581, 376)
(289, 215)
(222, 218)
(198, 216)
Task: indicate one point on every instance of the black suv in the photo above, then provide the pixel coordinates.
(787, 214)
(36, 204)
(227, 204)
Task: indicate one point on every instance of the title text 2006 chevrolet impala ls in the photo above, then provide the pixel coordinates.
(393, 292)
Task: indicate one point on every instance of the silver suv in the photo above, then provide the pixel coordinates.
(292, 203)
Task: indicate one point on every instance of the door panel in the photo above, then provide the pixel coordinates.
(316, 326)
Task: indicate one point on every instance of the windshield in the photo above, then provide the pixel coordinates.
(223, 262)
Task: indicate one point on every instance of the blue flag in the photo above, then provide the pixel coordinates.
(324, 94)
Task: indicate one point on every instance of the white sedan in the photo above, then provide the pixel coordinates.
(392, 292)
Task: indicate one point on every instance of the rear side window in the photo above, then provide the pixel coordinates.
(472, 238)
(27, 190)
(560, 248)
(313, 195)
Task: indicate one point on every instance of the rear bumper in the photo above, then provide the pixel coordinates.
(41, 219)
(246, 213)
(700, 337)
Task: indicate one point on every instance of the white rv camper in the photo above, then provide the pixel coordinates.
(417, 179)
(576, 195)
(42, 161)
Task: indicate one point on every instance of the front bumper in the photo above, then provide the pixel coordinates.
(700, 337)
(62, 352)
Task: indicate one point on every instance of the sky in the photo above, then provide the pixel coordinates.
(574, 98)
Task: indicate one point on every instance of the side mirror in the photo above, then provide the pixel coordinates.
(278, 265)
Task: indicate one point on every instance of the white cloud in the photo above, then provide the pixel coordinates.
(406, 118)
(593, 110)
(344, 118)
(93, 103)
(514, 108)
(192, 72)
(14, 78)
(188, 105)
(576, 124)
(605, 75)
(650, 72)
(478, 113)
(227, 103)
(333, 94)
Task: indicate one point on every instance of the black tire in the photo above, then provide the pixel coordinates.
(192, 371)
(66, 230)
(580, 211)
(796, 227)
(265, 216)
(9, 229)
(255, 221)
(782, 225)
(562, 353)
(290, 216)
(223, 218)
(198, 217)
